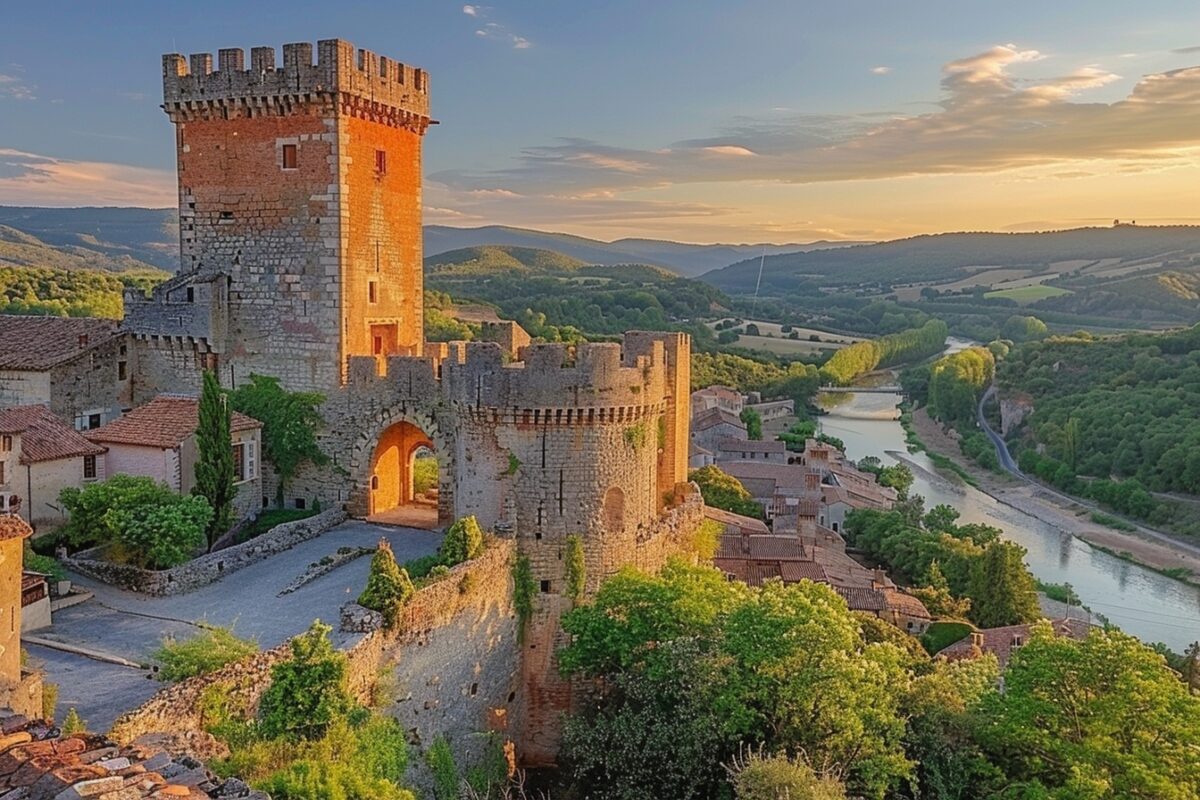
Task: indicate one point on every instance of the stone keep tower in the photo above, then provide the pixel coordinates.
(299, 212)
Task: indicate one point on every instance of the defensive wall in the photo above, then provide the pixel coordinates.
(451, 660)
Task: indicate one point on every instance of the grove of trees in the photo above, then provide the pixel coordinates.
(862, 357)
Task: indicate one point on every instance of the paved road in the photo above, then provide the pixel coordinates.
(132, 626)
(1010, 466)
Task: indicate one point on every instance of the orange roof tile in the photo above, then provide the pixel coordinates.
(13, 527)
(164, 422)
(44, 437)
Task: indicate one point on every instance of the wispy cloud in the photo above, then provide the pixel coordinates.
(494, 30)
(14, 87)
(32, 179)
(1186, 50)
(880, 70)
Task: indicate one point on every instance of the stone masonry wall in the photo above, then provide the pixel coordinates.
(207, 568)
(92, 382)
(453, 657)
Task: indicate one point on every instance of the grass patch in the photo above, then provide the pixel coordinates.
(201, 654)
(1028, 294)
(1100, 518)
(1058, 591)
(941, 635)
(270, 518)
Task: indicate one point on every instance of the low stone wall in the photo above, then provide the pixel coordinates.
(207, 568)
(453, 658)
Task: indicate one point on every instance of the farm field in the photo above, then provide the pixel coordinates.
(1028, 294)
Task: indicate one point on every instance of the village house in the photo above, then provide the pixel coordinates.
(40, 455)
(81, 369)
(711, 426)
(761, 450)
(1004, 641)
(770, 410)
(778, 488)
(698, 457)
(158, 440)
(715, 396)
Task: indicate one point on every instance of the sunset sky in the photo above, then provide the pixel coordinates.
(704, 121)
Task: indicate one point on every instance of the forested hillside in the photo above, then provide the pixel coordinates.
(71, 292)
(146, 235)
(1115, 409)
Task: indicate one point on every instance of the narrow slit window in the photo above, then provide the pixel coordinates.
(372, 291)
(381, 162)
(290, 156)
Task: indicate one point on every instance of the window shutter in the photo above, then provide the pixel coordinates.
(251, 463)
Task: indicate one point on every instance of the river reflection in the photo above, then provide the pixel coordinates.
(1140, 601)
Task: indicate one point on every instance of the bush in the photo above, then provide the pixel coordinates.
(308, 691)
(576, 568)
(165, 535)
(388, 586)
(760, 777)
(463, 541)
(940, 635)
(73, 723)
(446, 780)
(46, 565)
(425, 474)
(420, 567)
(89, 508)
(201, 654)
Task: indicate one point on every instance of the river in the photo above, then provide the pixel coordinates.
(1151, 606)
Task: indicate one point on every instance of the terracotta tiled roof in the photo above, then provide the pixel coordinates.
(164, 422)
(711, 417)
(39, 343)
(862, 599)
(752, 446)
(906, 604)
(45, 437)
(729, 519)
(761, 547)
(1001, 642)
(36, 762)
(794, 571)
(13, 527)
(787, 476)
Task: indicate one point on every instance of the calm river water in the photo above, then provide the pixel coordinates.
(1140, 601)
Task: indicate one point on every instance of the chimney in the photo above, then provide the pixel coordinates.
(977, 639)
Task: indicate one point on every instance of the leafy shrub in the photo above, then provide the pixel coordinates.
(425, 474)
(89, 507)
(388, 586)
(722, 490)
(73, 723)
(707, 538)
(49, 700)
(576, 568)
(201, 654)
(446, 780)
(463, 541)
(523, 590)
(165, 535)
(308, 691)
(760, 777)
(35, 562)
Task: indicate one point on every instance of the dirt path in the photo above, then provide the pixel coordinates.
(1069, 517)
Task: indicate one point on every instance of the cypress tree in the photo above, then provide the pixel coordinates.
(214, 465)
(388, 585)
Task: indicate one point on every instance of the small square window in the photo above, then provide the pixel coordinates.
(93, 421)
(301, 503)
(290, 156)
(545, 587)
(381, 162)
(372, 291)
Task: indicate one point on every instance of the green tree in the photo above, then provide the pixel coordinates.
(722, 490)
(290, 424)
(73, 723)
(1070, 442)
(163, 535)
(308, 691)
(576, 568)
(388, 585)
(93, 509)
(1097, 718)
(941, 518)
(214, 461)
(1002, 590)
(753, 422)
(462, 542)
(897, 476)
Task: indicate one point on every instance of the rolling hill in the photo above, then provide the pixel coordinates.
(498, 259)
(949, 257)
(146, 235)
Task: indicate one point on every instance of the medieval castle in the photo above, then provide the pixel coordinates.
(300, 236)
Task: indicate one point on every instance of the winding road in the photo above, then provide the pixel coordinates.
(1010, 466)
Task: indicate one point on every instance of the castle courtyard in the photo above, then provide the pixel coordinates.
(131, 626)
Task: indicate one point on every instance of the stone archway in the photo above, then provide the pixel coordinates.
(382, 470)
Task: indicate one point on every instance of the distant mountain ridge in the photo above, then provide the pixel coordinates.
(146, 235)
(947, 256)
(495, 259)
(689, 260)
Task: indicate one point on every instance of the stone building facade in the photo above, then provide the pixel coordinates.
(299, 192)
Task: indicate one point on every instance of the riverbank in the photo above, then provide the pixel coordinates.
(1071, 518)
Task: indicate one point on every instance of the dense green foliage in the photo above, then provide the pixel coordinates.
(308, 691)
(722, 490)
(753, 422)
(694, 664)
(974, 562)
(956, 381)
(772, 777)
(70, 292)
(862, 357)
(214, 457)
(141, 521)
(388, 585)
(1121, 411)
(1024, 329)
(524, 588)
(446, 778)
(796, 380)
(36, 562)
(290, 423)
(462, 542)
(203, 653)
(425, 474)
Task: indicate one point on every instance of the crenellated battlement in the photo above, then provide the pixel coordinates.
(601, 382)
(358, 81)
